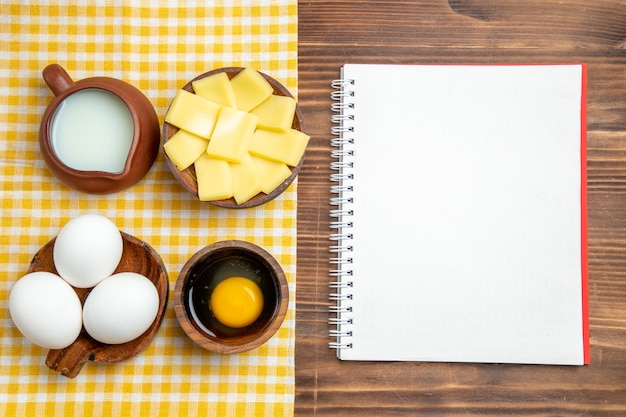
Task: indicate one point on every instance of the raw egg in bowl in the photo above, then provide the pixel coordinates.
(231, 297)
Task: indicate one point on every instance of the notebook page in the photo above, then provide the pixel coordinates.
(467, 214)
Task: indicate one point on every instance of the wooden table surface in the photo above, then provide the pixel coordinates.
(332, 33)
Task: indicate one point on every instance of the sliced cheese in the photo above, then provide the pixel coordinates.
(276, 112)
(287, 147)
(271, 173)
(246, 181)
(216, 88)
(193, 113)
(214, 178)
(250, 88)
(183, 148)
(232, 135)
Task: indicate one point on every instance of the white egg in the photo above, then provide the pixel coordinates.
(46, 310)
(87, 250)
(120, 308)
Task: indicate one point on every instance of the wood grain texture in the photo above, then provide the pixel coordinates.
(332, 33)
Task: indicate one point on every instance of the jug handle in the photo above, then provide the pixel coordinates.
(57, 78)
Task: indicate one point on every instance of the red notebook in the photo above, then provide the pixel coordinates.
(460, 214)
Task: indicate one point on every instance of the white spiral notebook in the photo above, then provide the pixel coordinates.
(459, 214)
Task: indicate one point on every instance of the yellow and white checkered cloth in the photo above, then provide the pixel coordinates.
(157, 47)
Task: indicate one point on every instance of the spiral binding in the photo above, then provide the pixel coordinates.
(343, 188)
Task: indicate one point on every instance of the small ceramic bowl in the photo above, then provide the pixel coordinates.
(187, 177)
(207, 268)
(132, 146)
(137, 256)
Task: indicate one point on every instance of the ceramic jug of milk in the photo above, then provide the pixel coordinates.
(98, 135)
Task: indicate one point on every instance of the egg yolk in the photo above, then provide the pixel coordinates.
(237, 302)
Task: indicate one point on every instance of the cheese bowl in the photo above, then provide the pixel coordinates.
(188, 177)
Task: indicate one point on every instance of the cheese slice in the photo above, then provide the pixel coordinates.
(250, 88)
(183, 148)
(193, 113)
(287, 147)
(216, 88)
(246, 181)
(271, 174)
(232, 135)
(214, 178)
(275, 113)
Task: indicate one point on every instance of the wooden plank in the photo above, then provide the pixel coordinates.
(332, 33)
